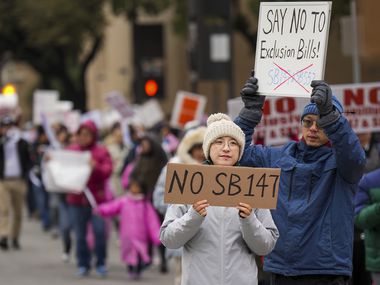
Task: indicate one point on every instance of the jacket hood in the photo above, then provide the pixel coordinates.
(192, 137)
(91, 126)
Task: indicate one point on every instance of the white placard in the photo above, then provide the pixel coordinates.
(44, 101)
(282, 115)
(66, 171)
(150, 113)
(8, 101)
(291, 46)
(95, 116)
(220, 47)
(187, 107)
(117, 101)
(72, 120)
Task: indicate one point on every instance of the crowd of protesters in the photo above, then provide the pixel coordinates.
(323, 231)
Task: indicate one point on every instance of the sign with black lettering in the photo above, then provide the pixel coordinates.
(291, 46)
(222, 185)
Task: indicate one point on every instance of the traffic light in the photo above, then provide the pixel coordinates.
(151, 87)
(149, 62)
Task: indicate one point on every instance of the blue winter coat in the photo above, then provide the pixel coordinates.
(315, 209)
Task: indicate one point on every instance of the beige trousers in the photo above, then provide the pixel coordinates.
(12, 197)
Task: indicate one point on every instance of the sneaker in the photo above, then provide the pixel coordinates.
(65, 257)
(82, 272)
(4, 243)
(101, 271)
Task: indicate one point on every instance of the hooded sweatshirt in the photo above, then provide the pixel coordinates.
(100, 173)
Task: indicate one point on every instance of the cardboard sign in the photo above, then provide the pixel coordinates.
(187, 107)
(291, 46)
(222, 185)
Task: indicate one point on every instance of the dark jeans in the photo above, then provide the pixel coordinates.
(42, 199)
(80, 217)
(276, 279)
(30, 199)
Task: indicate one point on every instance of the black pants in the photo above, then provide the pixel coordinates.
(276, 279)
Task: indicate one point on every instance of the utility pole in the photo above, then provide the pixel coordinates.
(356, 67)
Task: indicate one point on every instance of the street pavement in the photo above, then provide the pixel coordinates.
(39, 263)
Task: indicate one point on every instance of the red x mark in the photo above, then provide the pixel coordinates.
(292, 76)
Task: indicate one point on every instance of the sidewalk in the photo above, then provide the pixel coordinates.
(39, 263)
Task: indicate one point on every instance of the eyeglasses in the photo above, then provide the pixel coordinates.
(309, 123)
(221, 143)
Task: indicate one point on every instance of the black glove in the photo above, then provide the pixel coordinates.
(250, 87)
(322, 97)
(253, 103)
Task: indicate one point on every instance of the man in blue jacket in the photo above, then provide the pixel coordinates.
(319, 177)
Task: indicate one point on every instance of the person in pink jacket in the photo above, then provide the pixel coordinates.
(80, 209)
(139, 224)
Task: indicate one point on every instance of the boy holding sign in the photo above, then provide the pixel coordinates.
(219, 243)
(319, 177)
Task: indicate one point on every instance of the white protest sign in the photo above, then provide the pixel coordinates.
(291, 46)
(44, 101)
(117, 101)
(66, 171)
(361, 104)
(187, 107)
(49, 131)
(93, 115)
(282, 115)
(150, 113)
(8, 101)
(72, 120)
(110, 117)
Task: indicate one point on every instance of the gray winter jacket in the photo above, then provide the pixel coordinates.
(219, 248)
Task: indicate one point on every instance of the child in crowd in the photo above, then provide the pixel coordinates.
(219, 243)
(139, 225)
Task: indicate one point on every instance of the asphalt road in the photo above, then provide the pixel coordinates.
(39, 263)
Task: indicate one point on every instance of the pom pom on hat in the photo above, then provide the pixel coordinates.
(220, 125)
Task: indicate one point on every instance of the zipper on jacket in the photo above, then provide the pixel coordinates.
(291, 183)
(311, 185)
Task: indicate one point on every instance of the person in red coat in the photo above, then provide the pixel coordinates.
(79, 206)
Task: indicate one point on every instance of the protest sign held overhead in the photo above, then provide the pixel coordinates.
(282, 115)
(222, 185)
(291, 46)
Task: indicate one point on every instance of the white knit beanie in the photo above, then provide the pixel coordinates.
(220, 125)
